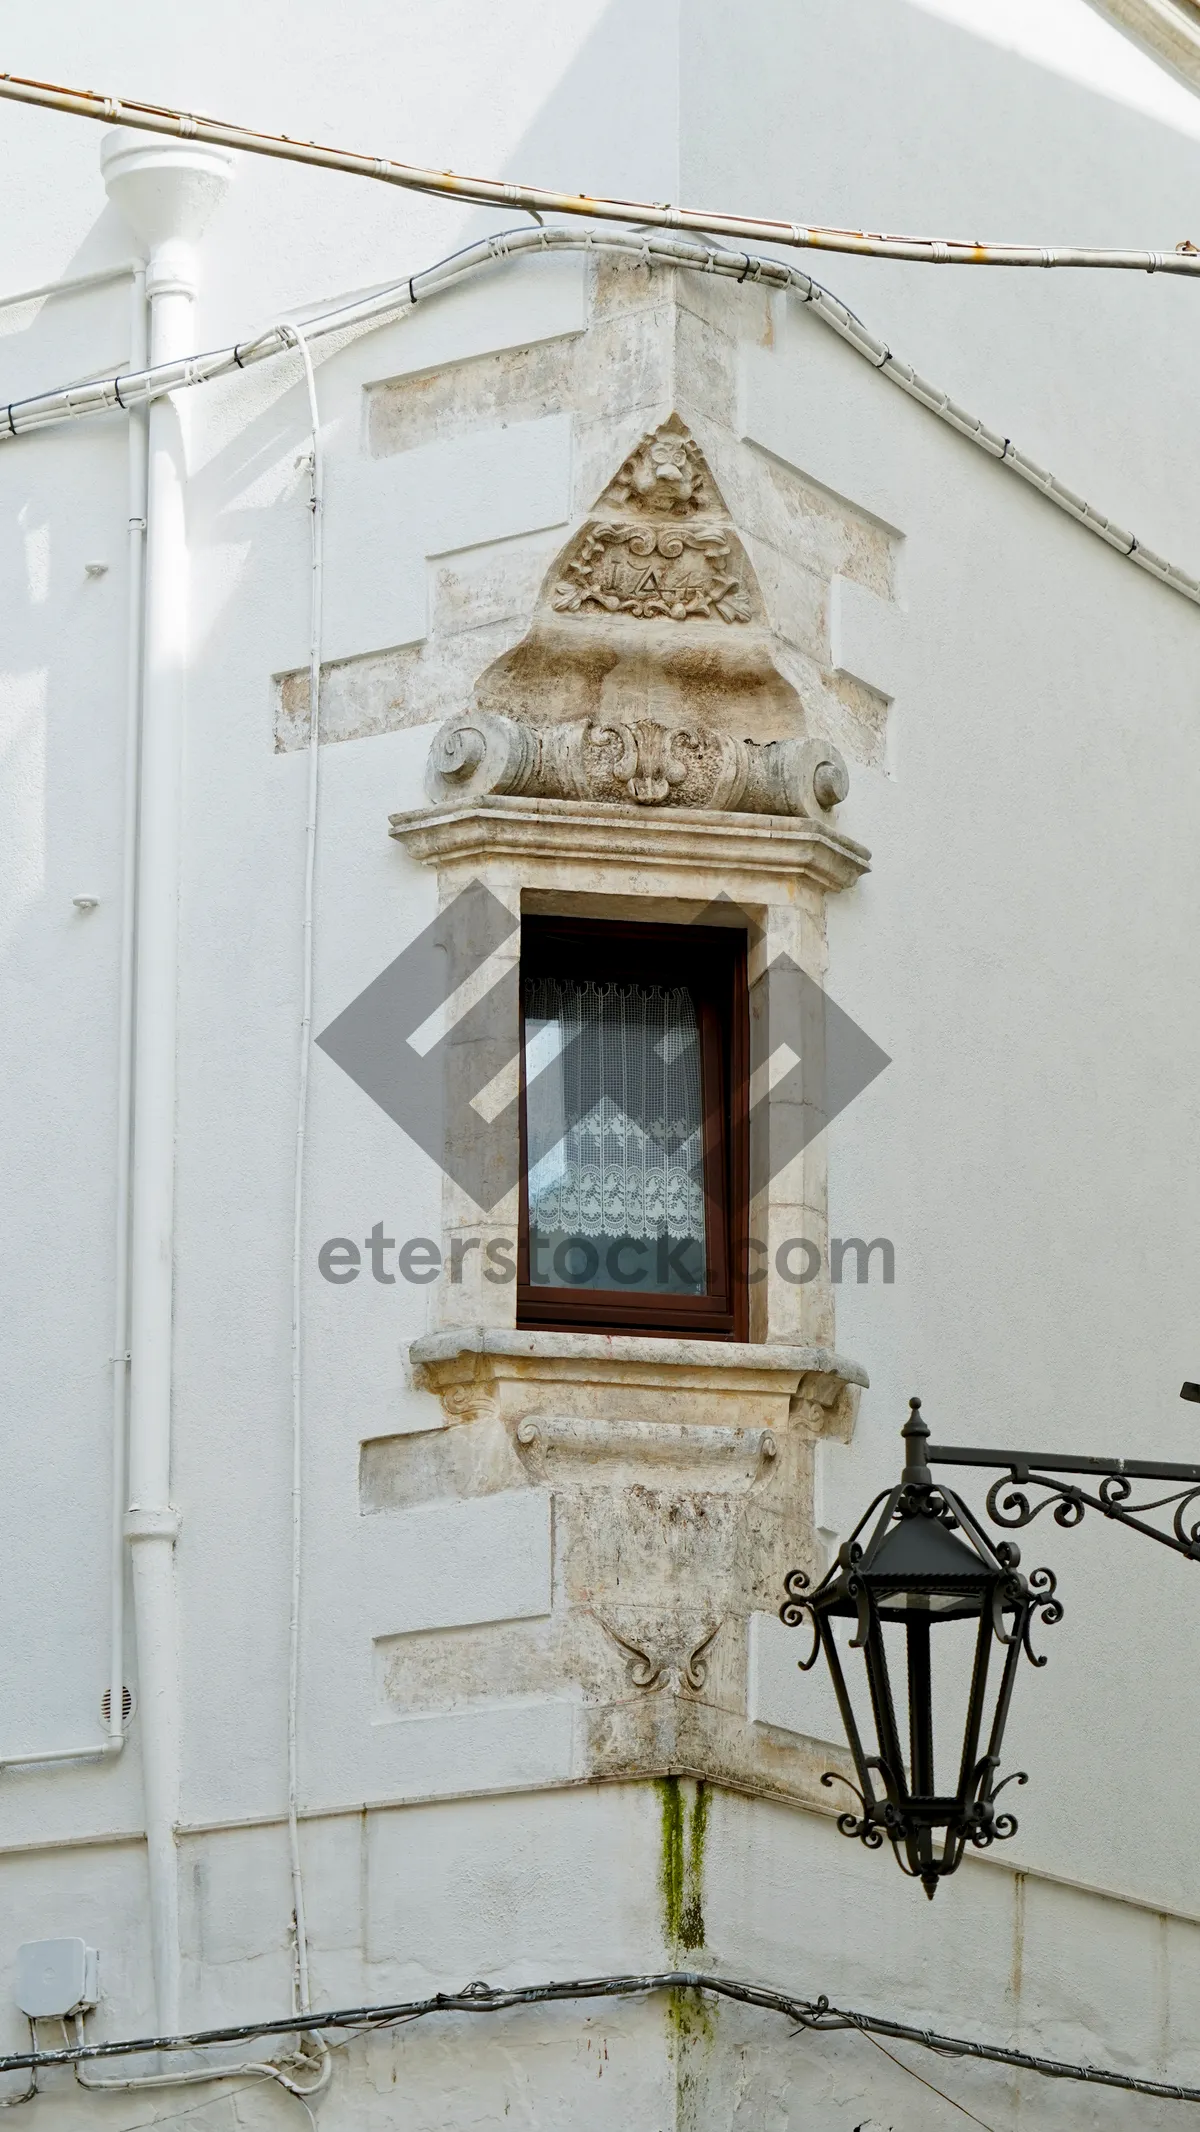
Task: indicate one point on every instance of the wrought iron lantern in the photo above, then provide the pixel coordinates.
(926, 1564)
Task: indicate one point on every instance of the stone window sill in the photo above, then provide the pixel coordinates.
(478, 1370)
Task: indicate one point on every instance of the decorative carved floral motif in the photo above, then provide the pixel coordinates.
(654, 764)
(468, 1402)
(643, 760)
(653, 572)
(627, 560)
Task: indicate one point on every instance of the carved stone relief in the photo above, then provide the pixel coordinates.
(666, 475)
(651, 615)
(669, 1534)
(676, 1666)
(660, 546)
(492, 608)
(652, 764)
(677, 572)
(634, 646)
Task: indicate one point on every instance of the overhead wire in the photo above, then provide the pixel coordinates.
(177, 2117)
(539, 200)
(921, 2080)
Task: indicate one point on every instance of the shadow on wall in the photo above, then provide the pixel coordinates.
(65, 505)
(985, 141)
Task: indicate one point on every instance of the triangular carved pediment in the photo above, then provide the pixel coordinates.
(659, 545)
(646, 674)
(651, 611)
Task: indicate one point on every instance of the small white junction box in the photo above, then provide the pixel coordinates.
(56, 1977)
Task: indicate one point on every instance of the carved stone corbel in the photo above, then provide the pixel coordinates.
(826, 1405)
(482, 753)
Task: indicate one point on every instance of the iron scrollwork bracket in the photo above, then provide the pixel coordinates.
(1070, 1487)
(1112, 1499)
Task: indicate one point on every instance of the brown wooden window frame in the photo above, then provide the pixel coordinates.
(711, 961)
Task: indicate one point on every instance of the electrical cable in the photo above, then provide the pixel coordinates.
(939, 2092)
(250, 2071)
(193, 2109)
(73, 284)
(47, 410)
(30, 2092)
(537, 200)
(819, 2016)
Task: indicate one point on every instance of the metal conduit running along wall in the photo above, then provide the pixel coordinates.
(819, 2015)
(133, 388)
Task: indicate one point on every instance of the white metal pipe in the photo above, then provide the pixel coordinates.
(167, 195)
(72, 285)
(151, 1524)
(538, 200)
(58, 1757)
(316, 583)
(138, 470)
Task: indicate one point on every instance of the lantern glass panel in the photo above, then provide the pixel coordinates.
(952, 1662)
(895, 1603)
(954, 1649)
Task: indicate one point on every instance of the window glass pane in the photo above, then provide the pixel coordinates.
(614, 1122)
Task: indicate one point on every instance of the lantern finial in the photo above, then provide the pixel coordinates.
(916, 1435)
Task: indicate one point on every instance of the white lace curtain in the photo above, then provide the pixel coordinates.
(614, 1109)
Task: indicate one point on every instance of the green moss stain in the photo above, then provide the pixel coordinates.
(681, 1870)
(691, 2022)
(670, 1871)
(691, 1927)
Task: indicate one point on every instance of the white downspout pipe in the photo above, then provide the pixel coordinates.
(139, 348)
(166, 193)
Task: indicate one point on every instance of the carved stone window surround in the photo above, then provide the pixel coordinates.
(639, 756)
(572, 832)
(668, 864)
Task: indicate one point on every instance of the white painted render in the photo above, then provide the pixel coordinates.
(1024, 948)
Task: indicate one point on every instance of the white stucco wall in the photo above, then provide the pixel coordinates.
(1024, 948)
